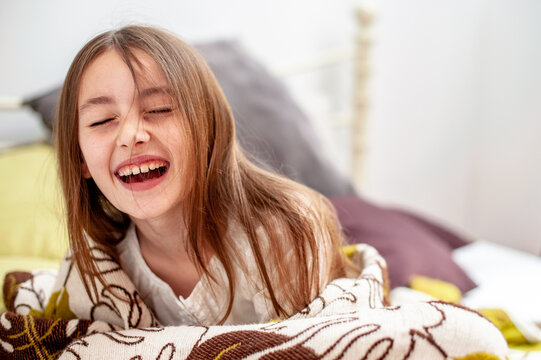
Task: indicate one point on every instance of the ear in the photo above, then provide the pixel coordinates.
(84, 170)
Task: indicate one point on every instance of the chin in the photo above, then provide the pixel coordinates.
(148, 212)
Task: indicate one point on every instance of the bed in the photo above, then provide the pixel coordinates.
(425, 260)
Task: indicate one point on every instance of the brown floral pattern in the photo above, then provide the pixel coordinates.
(350, 319)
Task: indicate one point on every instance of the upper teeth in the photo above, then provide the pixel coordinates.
(144, 168)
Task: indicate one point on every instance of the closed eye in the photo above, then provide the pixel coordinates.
(160, 111)
(101, 122)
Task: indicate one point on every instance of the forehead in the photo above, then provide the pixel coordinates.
(109, 71)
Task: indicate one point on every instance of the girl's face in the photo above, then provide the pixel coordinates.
(131, 136)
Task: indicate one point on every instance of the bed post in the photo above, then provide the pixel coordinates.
(363, 44)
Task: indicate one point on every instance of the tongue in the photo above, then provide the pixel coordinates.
(141, 177)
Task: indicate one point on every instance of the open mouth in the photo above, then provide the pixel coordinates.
(143, 172)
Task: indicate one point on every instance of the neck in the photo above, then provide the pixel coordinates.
(165, 235)
(163, 244)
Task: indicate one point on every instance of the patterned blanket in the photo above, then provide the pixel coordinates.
(50, 316)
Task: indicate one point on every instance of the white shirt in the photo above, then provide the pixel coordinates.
(206, 304)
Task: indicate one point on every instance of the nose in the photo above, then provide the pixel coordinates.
(132, 131)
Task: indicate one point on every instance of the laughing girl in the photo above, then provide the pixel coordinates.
(152, 173)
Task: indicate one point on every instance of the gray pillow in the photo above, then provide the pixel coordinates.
(271, 128)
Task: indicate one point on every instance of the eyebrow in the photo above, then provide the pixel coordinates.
(99, 100)
(155, 90)
(106, 100)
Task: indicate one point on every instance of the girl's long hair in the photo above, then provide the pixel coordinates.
(296, 222)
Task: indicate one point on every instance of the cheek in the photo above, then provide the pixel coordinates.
(95, 155)
(184, 163)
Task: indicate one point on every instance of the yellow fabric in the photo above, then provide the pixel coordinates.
(438, 289)
(58, 307)
(349, 250)
(479, 356)
(505, 324)
(526, 347)
(510, 332)
(30, 204)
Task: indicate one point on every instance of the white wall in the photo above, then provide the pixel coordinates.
(507, 196)
(454, 124)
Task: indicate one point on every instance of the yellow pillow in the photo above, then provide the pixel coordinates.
(439, 289)
(32, 229)
(31, 221)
